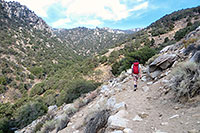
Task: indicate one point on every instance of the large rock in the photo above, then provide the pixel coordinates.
(167, 48)
(62, 122)
(120, 106)
(117, 121)
(162, 62)
(104, 89)
(52, 108)
(155, 74)
(111, 103)
(189, 49)
(196, 57)
(98, 122)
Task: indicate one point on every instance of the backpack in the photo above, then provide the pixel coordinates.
(135, 68)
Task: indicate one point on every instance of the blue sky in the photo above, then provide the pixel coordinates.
(117, 14)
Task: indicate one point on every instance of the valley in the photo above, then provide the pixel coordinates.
(52, 76)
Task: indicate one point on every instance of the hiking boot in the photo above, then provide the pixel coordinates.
(135, 87)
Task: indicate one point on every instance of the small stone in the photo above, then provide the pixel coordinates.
(198, 122)
(144, 79)
(149, 98)
(150, 83)
(137, 118)
(164, 123)
(164, 81)
(176, 108)
(145, 88)
(77, 131)
(143, 115)
(69, 124)
(174, 116)
(127, 130)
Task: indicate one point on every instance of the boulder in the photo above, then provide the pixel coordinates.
(196, 57)
(117, 121)
(162, 62)
(120, 106)
(189, 49)
(62, 122)
(98, 122)
(52, 108)
(155, 74)
(165, 49)
(111, 103)
(104, 88)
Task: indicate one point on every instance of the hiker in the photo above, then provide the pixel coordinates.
(136, 73)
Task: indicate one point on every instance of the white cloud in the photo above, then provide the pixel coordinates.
(61, 22)
(92, 23)
(88, 12)
(40, 7)
(104, 9)
(140, 6)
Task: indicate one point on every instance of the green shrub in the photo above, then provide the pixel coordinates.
(28, 113)
(38, 89)
(49, 97)
(142, 55)
(75, 89)
(48, 126)
(37, 71)
(103, 59)
(31, 77)
(38, 127)
(6, 110)
(185, 81)
(3, 89)
(4, 125)
(3, 80)
(182, 32)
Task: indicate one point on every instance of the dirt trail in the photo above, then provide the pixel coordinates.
(158, 111)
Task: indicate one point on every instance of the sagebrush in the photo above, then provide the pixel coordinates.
(185, 81)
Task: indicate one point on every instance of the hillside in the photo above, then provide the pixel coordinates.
(29, 49)
(87, 41)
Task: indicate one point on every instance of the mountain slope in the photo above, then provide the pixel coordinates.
(87, 41)
(29, 49)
